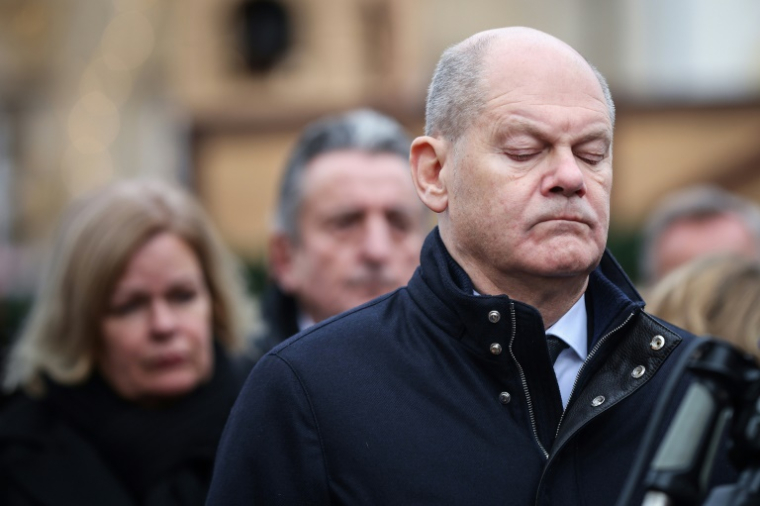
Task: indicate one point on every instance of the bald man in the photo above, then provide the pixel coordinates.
(517, 366)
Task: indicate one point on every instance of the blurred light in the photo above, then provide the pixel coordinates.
(132, 5)
(93, 123)
(30, 21)
(99, 77)
(82, 172)
(127, 41)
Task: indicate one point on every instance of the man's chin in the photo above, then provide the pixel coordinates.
(567, 265)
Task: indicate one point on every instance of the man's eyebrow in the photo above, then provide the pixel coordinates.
(345, 211)
(524, 126)
(402, 209)
(602, 134)
(518, 125)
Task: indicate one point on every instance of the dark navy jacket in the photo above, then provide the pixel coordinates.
(403, 402)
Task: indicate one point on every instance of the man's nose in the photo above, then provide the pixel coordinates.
(565, 175)
(377, 245)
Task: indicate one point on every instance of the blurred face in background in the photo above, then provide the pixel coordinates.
(156, 333)
(361, 229)
(687, 239)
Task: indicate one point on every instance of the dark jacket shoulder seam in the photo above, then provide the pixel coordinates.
(304, 333)
(313, 415)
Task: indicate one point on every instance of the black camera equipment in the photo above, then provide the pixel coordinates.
(721, 405)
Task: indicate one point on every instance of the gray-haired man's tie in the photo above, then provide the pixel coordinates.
(555, 345)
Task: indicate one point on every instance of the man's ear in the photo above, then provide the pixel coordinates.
(282, 262)
(427, 160)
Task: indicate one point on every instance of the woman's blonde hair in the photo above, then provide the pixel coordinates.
(715, 295)
(93, 243)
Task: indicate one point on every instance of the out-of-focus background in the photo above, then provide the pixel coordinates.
(214, 93)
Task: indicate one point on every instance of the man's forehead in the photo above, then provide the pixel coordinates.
(358, 179)
(536, 80)
(530, 101)
(585, 126)
(356, 160)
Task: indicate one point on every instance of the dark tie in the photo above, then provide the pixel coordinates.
(555, 345)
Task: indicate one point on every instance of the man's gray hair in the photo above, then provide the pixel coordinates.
(361, 130)
(606, 92)
(456, 95)
(693, 202)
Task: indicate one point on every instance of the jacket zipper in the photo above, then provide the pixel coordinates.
(524, 382)
(591, 354)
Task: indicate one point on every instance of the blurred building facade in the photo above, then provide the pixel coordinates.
(214, 92)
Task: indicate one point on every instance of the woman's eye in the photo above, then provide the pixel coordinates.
(182, 295)
(126, 307)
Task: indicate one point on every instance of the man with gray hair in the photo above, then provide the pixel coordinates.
(348, 224)
(518, 365)
(696, 221)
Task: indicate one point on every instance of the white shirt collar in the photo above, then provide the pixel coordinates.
(304, 321)
(572, 328)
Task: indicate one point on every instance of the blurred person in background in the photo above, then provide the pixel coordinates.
(348, 225)
(696, 221)
(127, 366)
(717, 295)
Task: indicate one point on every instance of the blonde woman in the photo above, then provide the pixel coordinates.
(717, 295)
(127, 368)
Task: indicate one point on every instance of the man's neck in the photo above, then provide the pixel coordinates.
(551, 296)
(554, 298)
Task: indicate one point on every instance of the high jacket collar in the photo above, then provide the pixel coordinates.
(611, 297)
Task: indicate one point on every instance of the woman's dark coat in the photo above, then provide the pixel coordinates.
(85, 446)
